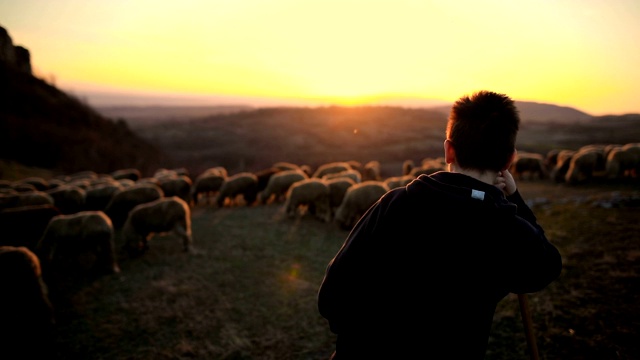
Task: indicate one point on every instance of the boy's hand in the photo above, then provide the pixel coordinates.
(505, 182)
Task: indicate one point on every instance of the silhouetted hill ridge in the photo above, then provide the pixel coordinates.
(44, 127)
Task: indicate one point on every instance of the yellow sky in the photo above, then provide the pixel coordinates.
(579, 53)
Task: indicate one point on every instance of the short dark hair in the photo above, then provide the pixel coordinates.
(482, 129)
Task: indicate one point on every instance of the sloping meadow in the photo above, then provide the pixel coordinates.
(249, 289)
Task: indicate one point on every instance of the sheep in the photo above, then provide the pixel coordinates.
(38, 182)
(179, 185)
(357, 200)
(126, 199)
(68, 198)
(585, 165)
(528, 165)
(23, 187)
(332, 167)
(243, 184)
(371, 171)
(429, 166)
(563, 160)
(25, 199)
(354, 175)
(623, 162)
(98, 197)
(398, 181)
(27, 319)
(168, 214)
(208, 183)
(355, 165)
(24, 225)
(279, 184)
(407, 166)
(82, 241)
(82, 175)
(130, 173)
(264, 175)
(337, 188)
(311, 192)
(283, 165)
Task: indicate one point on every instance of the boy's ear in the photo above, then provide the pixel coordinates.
(449, 152)
(512, 158)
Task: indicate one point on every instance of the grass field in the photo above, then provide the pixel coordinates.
(250, 290)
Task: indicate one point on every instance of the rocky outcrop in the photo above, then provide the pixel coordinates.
(14, 56)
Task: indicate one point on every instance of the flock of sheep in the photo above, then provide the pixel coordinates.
(72, 223)
(595, 162)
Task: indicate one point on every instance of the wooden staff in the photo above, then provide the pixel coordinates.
(528, 327)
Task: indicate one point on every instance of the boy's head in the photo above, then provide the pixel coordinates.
(482, 129)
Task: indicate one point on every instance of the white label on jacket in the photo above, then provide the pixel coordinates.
(477, 194)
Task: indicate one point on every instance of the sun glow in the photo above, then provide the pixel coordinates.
(345, 52)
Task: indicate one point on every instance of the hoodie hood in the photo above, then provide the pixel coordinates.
(459, 188)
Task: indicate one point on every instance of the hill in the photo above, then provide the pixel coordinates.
(44, 127)
(252, 139)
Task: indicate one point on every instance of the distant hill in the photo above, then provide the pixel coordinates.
(44, 127)
(540, 112)
(254, 139)
(136, 114)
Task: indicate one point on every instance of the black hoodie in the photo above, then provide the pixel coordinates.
(421, 273)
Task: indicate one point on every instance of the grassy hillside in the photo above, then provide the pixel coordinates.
(250, 291)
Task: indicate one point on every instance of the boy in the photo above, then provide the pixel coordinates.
(421, 273)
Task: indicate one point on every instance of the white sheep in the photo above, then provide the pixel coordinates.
(371, 170)
(429, 166)
(585, 165)
(331, 167)
(129, 173)
(165, 215)
(283, 165)
(529, 166)
(357, 200)
(353, 174)
(81, 241)
(623, 162)
(278, 185)
(312, 193)
(561, 166)
(398, 181)
(27, 321)
(126, 199)
(243, 184)
(337, 188)
(407, 166)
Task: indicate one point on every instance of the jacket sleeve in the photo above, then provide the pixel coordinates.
(536, 262)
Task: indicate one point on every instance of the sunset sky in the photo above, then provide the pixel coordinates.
(579, 53)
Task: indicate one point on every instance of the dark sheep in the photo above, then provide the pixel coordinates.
(207, 184)
(169, 214)
(244, 184)
(27, 319)
(82, 242)
(68, 198)
(24, 225)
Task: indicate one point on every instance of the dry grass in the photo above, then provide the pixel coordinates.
(249, 292)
